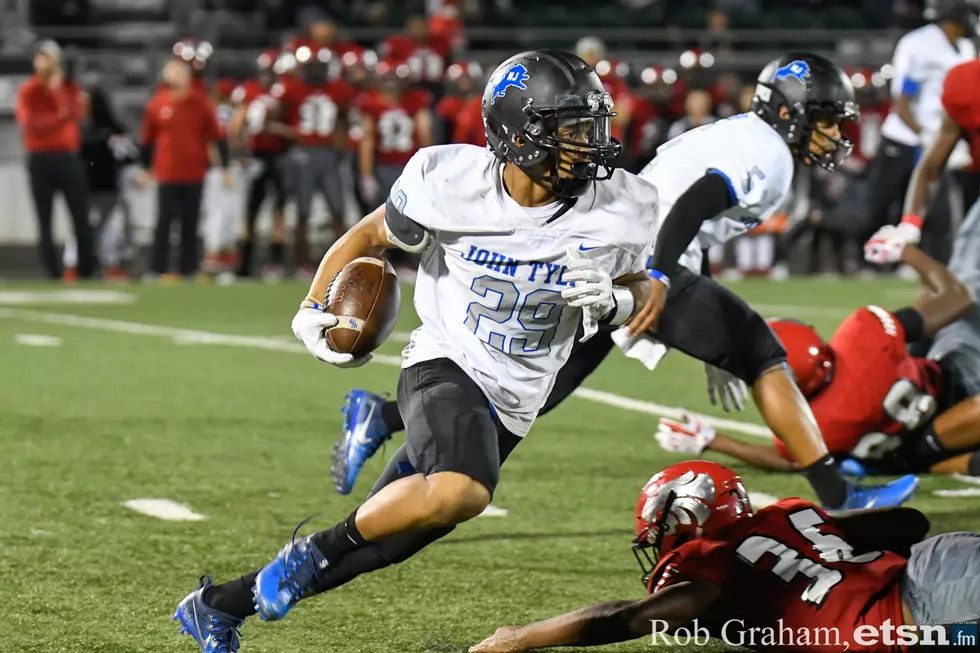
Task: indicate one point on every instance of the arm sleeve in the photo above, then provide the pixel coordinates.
(708, 197)
(409, 209)
(912, 323)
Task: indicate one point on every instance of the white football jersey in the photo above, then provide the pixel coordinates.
(748, 153)
(489, 285)
(922, 59)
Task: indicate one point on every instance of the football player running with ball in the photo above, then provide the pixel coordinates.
(520, 244)
(715, 183)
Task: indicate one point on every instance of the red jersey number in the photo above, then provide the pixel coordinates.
(790, 563)
(396, 129)
(317, 116)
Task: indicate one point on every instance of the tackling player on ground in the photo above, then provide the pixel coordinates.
(789, 567)
(715, 183)
(520, 244)
(873, 402)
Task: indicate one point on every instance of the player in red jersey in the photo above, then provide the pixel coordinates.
(316, 108)
(788, 577)
(395, 123)
(461, 109)
(257, 126)
(872, 401)
(425, 54)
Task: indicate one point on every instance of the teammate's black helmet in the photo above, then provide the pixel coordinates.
(963, 12)
(811, 88)
(539, 104)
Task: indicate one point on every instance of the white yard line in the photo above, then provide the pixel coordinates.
(36, 340)
(964, 492)
(164, 509)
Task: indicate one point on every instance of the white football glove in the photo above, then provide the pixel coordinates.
(691, 435)
(886, 246)
(910, 231)
(309, 325)
(592, 289)
(726, 387)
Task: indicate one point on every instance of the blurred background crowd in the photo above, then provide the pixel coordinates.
(315, 105)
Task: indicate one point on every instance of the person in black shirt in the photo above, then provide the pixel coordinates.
(106, 148)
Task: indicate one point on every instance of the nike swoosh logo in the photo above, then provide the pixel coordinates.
(360, 433)
(583, 248)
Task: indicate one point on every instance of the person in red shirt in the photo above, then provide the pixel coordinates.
(315, 109)
(461, 109)
(395, 123)
(425, 54)
(786, 577)
(872, 401)
(257, 125)
(49, 110)
(179, 136)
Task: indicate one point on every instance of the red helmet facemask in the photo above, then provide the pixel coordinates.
(682, 503)
(810, 358)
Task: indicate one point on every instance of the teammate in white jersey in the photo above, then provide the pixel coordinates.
(921, 60)
(716, 182)
(521, 242)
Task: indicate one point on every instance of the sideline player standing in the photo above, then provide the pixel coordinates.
(520, 243)
(715, 182)
(922, 58)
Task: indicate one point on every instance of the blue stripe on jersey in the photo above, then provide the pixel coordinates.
(910, 87)
(731, 187)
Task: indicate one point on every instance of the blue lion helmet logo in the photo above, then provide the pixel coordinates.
(798, 70)
(515, 76)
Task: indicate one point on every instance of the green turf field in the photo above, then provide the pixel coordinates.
(141, 400)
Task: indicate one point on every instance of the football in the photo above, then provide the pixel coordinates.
(365, 298)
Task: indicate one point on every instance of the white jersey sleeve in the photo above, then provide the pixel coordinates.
(752, 158)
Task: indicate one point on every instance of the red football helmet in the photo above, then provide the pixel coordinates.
(682, 503)
(810, 358)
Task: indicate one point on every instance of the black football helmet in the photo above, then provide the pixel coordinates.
(541, 104)
(812, 89)
(965, 13)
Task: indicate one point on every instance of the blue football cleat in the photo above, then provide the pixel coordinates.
(286, 580)
(364, 432)
(214, 631)
(888, 495)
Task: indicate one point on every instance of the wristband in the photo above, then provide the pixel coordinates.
(912, 219)
(309, 303)
(659, 276)
(623, 305)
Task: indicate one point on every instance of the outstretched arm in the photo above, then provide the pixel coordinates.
(605, 623)
(763, 456)
(930, 167)
(944, 298)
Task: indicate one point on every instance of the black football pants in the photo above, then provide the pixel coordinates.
(64, 172)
